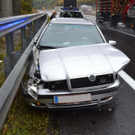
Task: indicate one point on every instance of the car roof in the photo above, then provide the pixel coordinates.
(80, 21)
(70, 10)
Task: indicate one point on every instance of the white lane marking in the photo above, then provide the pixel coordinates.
(123, 74)
(127, 79)
(122, 32)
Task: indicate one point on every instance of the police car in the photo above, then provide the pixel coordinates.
(71, 12)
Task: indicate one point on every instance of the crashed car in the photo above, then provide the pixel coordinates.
(73, 67)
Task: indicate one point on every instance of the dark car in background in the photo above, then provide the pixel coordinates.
(71, 12)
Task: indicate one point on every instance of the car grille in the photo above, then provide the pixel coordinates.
(85, 82)
(58, 85)
(81, 82)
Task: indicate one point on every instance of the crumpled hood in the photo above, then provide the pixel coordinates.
(73, 62)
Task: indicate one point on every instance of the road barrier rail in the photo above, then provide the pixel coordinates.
(15, 73)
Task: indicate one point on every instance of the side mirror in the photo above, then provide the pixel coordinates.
(111, 42)
(35, 41)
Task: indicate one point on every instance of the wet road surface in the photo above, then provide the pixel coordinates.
(121, 121)
(125, 43)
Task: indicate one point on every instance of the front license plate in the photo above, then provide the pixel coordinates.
(72, 98)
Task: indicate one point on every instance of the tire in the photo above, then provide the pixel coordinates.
(97, 20)
(113, 22)
(110, 22)
(134, 28)
(127, 25)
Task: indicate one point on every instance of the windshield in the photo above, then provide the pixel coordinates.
(71, 14)
(66, 35)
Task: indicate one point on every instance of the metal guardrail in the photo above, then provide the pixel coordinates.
(9, 24)
(7, 27)
(11, 85)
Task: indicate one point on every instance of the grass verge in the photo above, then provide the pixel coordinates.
(2, 55)
(2, 75)
(21, 120)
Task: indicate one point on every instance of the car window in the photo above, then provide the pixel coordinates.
(72, 14)
(65, 35)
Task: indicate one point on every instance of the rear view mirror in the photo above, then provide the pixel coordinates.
(111, 42)
(35, 41)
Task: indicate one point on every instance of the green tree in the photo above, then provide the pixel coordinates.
(52, 3)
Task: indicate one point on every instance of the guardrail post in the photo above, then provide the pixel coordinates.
(12, 57)
(39, 23)
(31, 33)
(15, 57)
(11, 85)
(30, 29)
(45, 17)
(35, 26)
(23, 38)
(9, 49)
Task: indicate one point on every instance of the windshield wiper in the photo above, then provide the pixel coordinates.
(47, 47)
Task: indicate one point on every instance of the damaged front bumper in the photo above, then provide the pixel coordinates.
(44, 98)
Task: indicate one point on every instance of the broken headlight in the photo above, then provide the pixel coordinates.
(58, 85)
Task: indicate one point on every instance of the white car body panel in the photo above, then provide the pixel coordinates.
(74, 62)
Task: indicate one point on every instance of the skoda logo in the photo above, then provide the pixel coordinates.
(92, 78)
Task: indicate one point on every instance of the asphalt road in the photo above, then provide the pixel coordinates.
(121, 121)
(94, 122)
(125, 38)
(125, 43)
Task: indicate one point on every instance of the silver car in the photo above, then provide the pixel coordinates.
(73, 67)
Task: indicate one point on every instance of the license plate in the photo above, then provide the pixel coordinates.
(72, 98)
